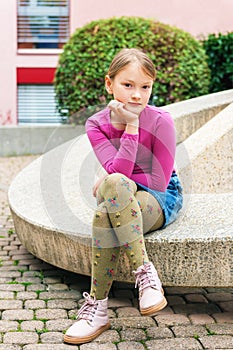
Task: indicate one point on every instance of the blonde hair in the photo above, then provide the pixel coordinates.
(126, 56)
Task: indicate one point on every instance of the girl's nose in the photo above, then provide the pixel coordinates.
(136, 95)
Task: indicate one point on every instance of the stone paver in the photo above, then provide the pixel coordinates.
(217, 342)
(159, 332)
(201, 319)
(132, 345)
(48, 347)
(38, 302)
(20, 338)
(94, 346)
(9, 347)
(133, 334)
(174, 344)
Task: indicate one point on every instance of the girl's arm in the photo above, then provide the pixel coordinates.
(163, 156)
(112, 159)
(123, 159)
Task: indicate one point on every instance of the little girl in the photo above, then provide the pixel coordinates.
(140, 192)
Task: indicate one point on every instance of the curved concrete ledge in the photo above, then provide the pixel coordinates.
(192, 114)
(206, 157)
(52, 208)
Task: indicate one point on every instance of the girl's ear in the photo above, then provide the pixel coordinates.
(108, 84)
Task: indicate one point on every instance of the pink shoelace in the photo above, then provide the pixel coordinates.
(87, 310)
(145, 278)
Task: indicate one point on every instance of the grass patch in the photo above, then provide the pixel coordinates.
(10, 232)
(22, 270)
(39, 274)
(38, 292)
(25, 284)
(41, 331)
(210, 332)
(13, 282)
(73, 317)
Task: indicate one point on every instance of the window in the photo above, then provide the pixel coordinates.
(43, 23)
(37, 104)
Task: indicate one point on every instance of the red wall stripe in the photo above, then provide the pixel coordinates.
(35, 75)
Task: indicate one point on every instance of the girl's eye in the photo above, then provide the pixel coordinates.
(146, 87)
(128, 85)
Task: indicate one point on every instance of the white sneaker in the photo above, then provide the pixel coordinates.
(151, 298)
(92, 321)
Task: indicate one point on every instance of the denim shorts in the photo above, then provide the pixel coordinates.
(171, 200)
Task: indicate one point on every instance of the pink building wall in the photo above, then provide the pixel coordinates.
(7, 61)
(199, 17)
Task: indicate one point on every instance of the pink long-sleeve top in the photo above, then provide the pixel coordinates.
(147, 157)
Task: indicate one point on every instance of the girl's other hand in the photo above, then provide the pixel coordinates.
(127, 113)
(97, 185)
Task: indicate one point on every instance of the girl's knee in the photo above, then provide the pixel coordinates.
(116, 181)
(152, 213)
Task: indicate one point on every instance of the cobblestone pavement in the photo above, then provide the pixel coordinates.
(39, 301)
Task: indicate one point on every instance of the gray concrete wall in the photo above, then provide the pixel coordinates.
(22, 140)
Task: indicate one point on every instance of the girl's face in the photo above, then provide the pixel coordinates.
(131, 86)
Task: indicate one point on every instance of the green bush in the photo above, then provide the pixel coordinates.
(182, 70)
(219, 49)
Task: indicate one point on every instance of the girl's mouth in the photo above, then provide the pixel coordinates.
(134, 104)
(134, 107)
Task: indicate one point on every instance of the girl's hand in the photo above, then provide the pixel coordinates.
(97, 185)
(127, 114)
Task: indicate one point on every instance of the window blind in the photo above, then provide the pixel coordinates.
(37, 104)
(43, 23)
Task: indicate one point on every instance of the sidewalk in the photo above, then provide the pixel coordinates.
(39, 301)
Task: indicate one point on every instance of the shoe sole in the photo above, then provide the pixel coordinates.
(75, 340)
(152, 310)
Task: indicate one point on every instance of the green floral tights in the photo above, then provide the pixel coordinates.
(122, 217)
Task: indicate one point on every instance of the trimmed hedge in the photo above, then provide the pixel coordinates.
(182, 70)
(219, 49)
